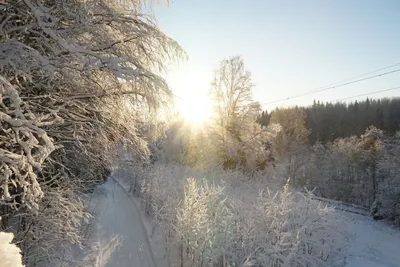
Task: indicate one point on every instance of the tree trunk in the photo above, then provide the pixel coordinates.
(181, 252)
(374, 182)
(3, 217)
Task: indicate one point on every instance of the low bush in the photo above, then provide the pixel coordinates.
(223, 220)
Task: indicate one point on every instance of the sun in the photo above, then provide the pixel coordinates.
(195, 109)
(190, 84)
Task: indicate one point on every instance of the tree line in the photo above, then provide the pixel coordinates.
(328, 121)
(346, 152)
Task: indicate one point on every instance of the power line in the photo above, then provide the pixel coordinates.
(333, 87)
(355, 77)
(371, 93)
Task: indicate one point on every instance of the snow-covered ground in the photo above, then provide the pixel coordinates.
(118, 235)
(372, 243)
(122, 236)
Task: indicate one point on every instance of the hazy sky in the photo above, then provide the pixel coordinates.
(291, 47)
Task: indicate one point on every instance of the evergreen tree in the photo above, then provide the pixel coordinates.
(328, 122)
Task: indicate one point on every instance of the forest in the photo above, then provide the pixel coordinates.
(329, 121)
(350, 131)
(79, 78)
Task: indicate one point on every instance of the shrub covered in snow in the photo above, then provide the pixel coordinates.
(213, 225)
(45, 235)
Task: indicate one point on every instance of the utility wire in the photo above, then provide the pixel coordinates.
(333, 87)
(371, 93)
(355, 77)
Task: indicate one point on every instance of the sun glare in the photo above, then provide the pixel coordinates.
(190, 85)
(195, 109)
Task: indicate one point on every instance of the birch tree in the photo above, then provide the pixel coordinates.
(237, 137)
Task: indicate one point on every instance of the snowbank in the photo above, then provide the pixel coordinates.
(9, 253)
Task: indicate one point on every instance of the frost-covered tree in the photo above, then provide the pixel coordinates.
(346, 169)
(294, 134)
(387, 203)
(237, 138)
(371, 145)
(76, 77)
(290, 143)
(205, 224)
(58, 224)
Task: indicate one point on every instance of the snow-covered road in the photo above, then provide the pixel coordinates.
(122, 239)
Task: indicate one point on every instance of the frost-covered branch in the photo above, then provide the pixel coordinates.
(25, 147)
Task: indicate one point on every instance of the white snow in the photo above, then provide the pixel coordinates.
(373, 243)
(124, 179)
(118, 236)
(10, 254)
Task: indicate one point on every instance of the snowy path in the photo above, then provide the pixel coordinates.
(122, 237)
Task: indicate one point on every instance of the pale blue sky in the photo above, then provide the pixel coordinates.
(291, 47)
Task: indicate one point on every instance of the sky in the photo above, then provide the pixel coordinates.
(291, 47)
